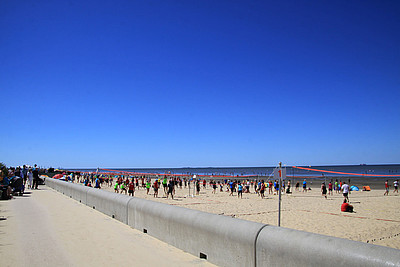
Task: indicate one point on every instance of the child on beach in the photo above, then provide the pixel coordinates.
(304, 185)
(396, 186)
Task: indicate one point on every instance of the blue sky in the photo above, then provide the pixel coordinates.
(199, 83)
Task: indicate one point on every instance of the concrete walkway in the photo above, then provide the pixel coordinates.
(45, 228)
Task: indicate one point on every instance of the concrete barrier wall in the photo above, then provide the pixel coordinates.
(223, 240)
(79, 192)
(278, 246)
(114, 205)
(228, 241)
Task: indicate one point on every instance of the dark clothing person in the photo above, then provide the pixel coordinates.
(35, 173)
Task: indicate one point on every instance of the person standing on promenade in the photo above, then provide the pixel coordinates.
(386, 188)
(35, 173)
(25, 173)
(304, 185)
(396, 186)
(30, 179)
(345, 189)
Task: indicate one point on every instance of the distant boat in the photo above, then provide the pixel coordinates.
(363, 164)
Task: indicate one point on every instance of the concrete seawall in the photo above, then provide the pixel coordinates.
(228, 241)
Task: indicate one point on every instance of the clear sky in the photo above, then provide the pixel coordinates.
(199, 83)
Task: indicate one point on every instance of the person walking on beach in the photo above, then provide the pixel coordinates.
(123, 187)
(337, 189)
(131, 188)
(214, 186)
(323, 190)
(304, 185)
(262, 189)
(240, 190)
(165, 184)
(97, 183)
(330, 192)
(270, 187)
(148, 185)
(345, 190)
(155, 187)
(231, 188)
(198, 187)
(396, 186)
(171, 189)
(386, 188)
(115, 187)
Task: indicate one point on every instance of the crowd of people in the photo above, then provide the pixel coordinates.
(127, 184)
(16, 179)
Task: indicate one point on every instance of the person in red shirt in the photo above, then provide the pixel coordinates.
(346, 207)
(131, 189)
(386, 188)
(155, 187)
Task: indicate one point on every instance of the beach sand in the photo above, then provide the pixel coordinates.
(376, 218)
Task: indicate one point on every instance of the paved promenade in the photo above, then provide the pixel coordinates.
(45, 228)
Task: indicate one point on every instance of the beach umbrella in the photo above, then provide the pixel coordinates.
(57, 176)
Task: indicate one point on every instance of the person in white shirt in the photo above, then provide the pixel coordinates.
(30, 178)
(345, 190)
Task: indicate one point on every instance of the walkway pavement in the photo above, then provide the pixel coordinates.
(45, 228)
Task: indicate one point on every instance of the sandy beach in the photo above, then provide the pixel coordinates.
(375, 220)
